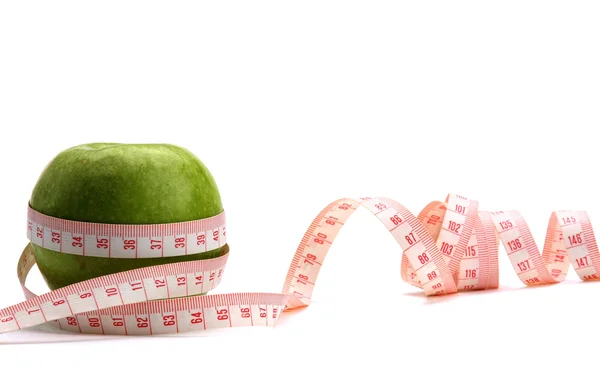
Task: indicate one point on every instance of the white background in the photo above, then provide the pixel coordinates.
(293, 105)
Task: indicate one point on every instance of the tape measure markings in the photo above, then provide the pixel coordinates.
(126, 241)
(132, 286)
(424, 254)
(451, 246)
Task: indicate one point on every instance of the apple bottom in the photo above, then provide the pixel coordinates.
(61, 269)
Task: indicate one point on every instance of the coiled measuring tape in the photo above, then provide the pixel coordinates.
(450, 246)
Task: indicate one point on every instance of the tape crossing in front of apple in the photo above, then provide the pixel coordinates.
(450, 246)
(126, 241)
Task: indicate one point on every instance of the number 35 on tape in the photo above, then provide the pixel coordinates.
(450, 246)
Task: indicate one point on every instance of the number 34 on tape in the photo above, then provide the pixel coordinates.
(450, 246)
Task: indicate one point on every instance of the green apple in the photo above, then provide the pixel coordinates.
(121, 184)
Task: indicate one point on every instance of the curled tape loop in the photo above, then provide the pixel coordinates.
(450, 246)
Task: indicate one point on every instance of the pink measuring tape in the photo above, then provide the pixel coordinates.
(450, 247)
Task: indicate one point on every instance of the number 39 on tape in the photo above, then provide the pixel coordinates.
(448, 247)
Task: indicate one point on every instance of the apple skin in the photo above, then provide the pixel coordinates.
(121, 184)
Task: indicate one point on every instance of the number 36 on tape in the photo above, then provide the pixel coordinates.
(450, 246)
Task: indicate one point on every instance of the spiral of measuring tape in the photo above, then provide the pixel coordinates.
(450, 246)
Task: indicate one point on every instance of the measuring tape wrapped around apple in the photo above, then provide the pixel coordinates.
(131, 238)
